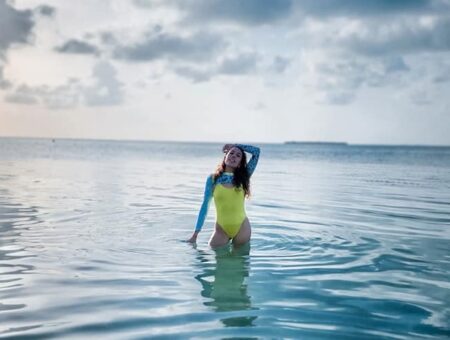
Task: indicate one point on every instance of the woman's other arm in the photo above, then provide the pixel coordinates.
(204, 208)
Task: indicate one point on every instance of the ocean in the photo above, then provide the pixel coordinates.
(348, 242)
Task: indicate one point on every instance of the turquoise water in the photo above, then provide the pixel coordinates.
(349, 242)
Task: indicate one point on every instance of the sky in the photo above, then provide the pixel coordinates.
(364, 72)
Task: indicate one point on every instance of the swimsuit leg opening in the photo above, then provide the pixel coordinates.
(219, 238)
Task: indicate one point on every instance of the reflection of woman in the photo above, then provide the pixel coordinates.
(229, 186)
(228, 291)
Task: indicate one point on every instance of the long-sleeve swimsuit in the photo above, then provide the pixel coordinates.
(229, 202)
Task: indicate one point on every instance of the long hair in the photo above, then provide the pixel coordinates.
(241, 176)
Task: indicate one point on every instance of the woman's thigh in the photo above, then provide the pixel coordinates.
(218, 238)
(244, 234)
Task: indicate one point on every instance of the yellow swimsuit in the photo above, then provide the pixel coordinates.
(229, 202)
(229, 208)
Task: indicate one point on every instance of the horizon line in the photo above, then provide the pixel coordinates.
(286, 142)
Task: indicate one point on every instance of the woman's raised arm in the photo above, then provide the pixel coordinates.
(254, 151)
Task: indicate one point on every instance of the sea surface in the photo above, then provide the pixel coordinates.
(349, 242)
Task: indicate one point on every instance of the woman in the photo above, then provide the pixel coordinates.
(229, 186)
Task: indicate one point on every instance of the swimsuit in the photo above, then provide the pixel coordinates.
(229, 201)
(229, 208)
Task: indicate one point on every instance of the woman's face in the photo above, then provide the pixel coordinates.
(233, 157)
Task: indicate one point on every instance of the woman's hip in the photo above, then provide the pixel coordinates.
(232, 227)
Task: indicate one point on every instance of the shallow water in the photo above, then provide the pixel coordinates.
(348, 242)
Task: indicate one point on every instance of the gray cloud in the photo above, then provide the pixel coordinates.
(145, 3)
(398, 37)
(64, 96)
(257, 12)
(339, 97)
(195, 74)
(349, 74)
(77, 47)
(196, 47)
(443, 76)
(340, 80)
(108, 38)
(259, 106)
(241, 64)
(59, 97)
(358, 8)
(106, 90)
(23, 95)
(251, 12)
(16, 26)
(420, 97)
(384, 31)
(395, 64)
(4, 84)
(46, 10)
(280, 64)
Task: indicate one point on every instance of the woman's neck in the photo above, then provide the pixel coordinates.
(228, 169)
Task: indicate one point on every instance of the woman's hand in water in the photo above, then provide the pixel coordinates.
(193, 238)
(227, 147)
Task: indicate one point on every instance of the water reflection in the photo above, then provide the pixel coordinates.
(224, 284)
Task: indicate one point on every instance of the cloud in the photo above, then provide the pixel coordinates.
(108, 38)
(58, 97)
(339, 80)
(249, 12)
(343, 74)
(396, 37)
(443, 76)
(197, 75)
(64, 96)
(4, 84)
(420, 97)
(196, 47)
(268, 12)
(339, 97)
(376, 34)
(46, 10)
(15, 26)
(280, 64)
(259, 106)
(238, 65)
(105, 90)
(77, 47)
(358, 8)
(23, 95)
(146, 3)
(395, 64)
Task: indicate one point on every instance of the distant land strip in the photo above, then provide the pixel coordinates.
(316, 143)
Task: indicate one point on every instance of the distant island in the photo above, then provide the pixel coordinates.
(316, 143)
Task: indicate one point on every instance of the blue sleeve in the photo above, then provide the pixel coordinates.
(254, 150)
(205, 205)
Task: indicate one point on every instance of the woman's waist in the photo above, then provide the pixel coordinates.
(230, 219)
(230, 211)
(229, 206)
